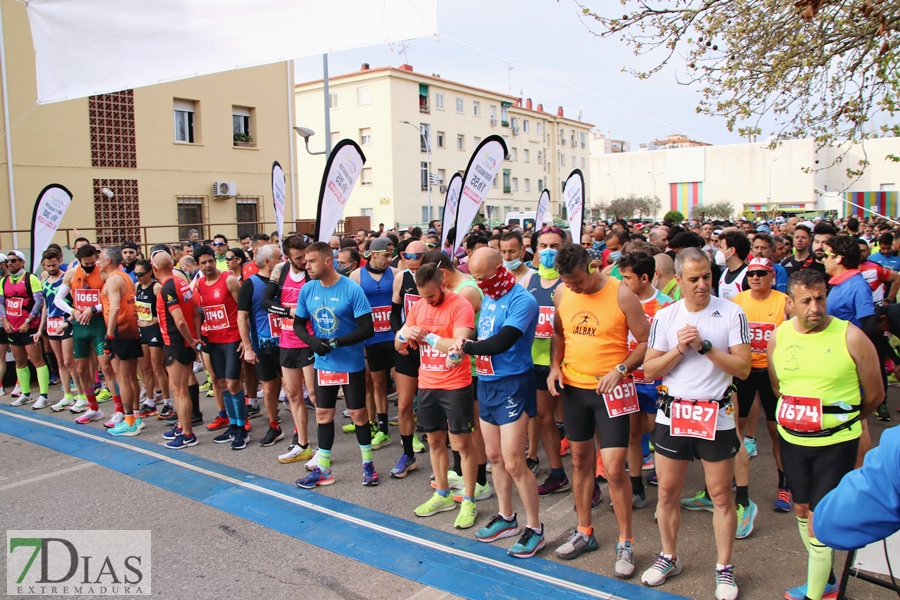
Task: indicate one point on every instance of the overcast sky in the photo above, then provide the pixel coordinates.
(550, 38)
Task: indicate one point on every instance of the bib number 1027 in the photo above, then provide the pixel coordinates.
(696, 419)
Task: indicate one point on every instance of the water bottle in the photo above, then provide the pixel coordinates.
(454, 359)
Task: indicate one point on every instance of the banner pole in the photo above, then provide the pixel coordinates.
(9, 160)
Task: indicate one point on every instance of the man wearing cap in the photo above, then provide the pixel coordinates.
(129, 259)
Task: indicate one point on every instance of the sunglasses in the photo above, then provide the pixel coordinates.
(757, 273)
(139, 274)
(830, 254)
(218, 243)
(412, 255)
(431, 245)
(230, 257)
(552, 229)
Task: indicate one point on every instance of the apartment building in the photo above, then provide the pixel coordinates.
(176, 155)
(403, 119)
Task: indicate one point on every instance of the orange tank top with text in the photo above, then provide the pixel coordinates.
(596, 334)
(86, 288)
(126, 321)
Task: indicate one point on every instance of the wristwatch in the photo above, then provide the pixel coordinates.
(705, 347)
(333, 343)
(622, 369)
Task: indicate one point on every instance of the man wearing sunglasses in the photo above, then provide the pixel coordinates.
(220, 247)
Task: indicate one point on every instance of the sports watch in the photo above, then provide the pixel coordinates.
(622, 369)
(705, 347)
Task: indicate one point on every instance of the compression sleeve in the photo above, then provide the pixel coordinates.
(496, 344)
(2, 306)
(365, 328)
(268, 301)
(396, 316)
(245, 296)
(38, 305)
(302, 332)
(60, 300)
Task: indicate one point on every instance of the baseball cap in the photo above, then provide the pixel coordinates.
(639, 226)
(761, 263)
(2, 257)
(17, 254)
(764, 228)
(379, 244)
(129, 244)
(594, 254)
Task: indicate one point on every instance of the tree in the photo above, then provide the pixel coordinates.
(820, 68)
(715, 210)
(633, 206)
(673, 215)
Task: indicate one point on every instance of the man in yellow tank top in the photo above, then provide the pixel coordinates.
(591, 363)
(818, 363)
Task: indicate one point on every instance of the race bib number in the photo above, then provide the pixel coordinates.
(332, 378)
(286, 324)
(215, 317)
(432, 359)
(56, 326)
(545, 322)
(483, 365)
(622, 400)
(276, 323)
(408, 301)
(759, 336)
(86, 299)
(696, 419)
(381, 315)
(14, 306)
(143, 310)
(800, 414)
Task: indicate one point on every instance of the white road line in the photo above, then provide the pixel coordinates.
(429, 593)
(16, 484)
(581, 589)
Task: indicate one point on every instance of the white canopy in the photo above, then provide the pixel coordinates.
(88, 47)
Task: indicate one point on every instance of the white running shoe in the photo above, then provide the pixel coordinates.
(17, 391)
(91, 415)
(22, 400)
(115, 420)
(42, 402)
(157, 398)
(259, 393)
(62, 405)
(81, 405)
(313, 462)
(2, 391)
(143, 394)
(198, 366)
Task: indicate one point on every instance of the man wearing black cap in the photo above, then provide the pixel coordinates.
(129, 259)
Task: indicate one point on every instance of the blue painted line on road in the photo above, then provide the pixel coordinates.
(448, 562)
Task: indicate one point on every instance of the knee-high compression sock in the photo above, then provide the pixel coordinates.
(364, 439)
(194, 393)
(229, 407)
(406, 440)
(117, 401)
(818, 571)
(803, 526)
(240, 407)
(325, 434)
(24, 376)
(637, 485)
(43, 375)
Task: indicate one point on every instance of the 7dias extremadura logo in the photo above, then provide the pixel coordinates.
(78, 563)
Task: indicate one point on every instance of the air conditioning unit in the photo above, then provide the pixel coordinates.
(563, 141)
(224, 188)
(515, 130)
(493, 121)
(443, 189)
(584, 144)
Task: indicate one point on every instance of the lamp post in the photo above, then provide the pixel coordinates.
(654, 183)
(428, 163)
(306, 133)
(614, 184)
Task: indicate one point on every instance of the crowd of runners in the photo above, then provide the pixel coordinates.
(636, 349)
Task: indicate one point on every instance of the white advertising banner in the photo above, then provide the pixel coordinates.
(451, 205)
(49, 210)
(278, 197)
(341, 172)
(543, 211)
(573, 194)
(483, 167)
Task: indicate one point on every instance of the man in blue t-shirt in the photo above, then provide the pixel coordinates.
(850, 297)
(885, 255)
(506, 394)
(342, 321)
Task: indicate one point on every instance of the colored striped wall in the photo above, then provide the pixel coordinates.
(684, 196)
(882, 203)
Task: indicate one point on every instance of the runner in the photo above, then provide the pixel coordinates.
(295, 357)
(406, 363)
(153, 362)
(215, 300)
(21, 306)
(446, 400)
(802, 258)
(506, 389)
(591, 362)
(129, 259)
(123, 341)
(735, 247)
(763, 246)
(260, 334)
(819, 363)
(696, 345)
(512, 249)
(342, 320)
(59, 331)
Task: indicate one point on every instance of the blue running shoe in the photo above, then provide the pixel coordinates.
(497, 528)
(317, 477)
(652, 479)
(745, 518)
(172, 433)
(181, 442)
(530, 543)
(404, 465)
(783, 500)
(799, 593)
(370, 476)
(124, 429)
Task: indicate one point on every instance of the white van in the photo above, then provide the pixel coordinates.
(525, 220)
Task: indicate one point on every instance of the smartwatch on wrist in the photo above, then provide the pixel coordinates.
(705, 347)
(622, 369)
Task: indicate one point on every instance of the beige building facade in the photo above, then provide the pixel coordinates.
(158, 149)
(397, 115)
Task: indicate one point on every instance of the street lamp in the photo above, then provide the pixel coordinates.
(306, 133)
(654, 183)
(614, 184)
(428, 159)
(769, 199)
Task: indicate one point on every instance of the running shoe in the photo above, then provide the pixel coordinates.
(699, 502)
(205, 386)
(91, 415)
(435, 505)
(168, 410)
(274, 434)
(317, 477)
(3, 391)
(404, 465)
(745, 519)
(210, 393)
(750, 445)
(346, 414)
(140, 423)
(624, 566)
(54, 378)
(647, 463)
(370, 475)
(394, 421)
(114, 420)
(563, 446)
(260, 394)
(198, 366)
(482, 492)
(313, 462)
(173, 420)
(181, 442)
(488, 467)
(783, 500)
(534, 464)
(228, 436)
(42, 402)
(418, 446)
(661, 570)
(239, 442)
(104, 395)
(219, 423)
(883, 413)
(148, 410)
(596, 497)
(639, 500)
(247, 427)
(454, 481)
(64, 404)
(529, 543)
(468, 510)
(576, 545)
(554, 486)
(726, 588)
(124, 429)
(172, 433)
(799, 593)
(17, 391)
(380, 440)
(601, 472)
(349, 428)
(497, 528)
(253, 411)
(295, 452)
(22, 400)
(652, 479)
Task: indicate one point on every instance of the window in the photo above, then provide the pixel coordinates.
(583, 139)
(362, 95)
(527, 185)
(190, 215)
(525, 125)
(365, 136)
(493, 112)
(367, 212)
(526, 155)
(333, 100)
(574, 162)
(574, 138)
(459, 105)
(442, 176)
(512, 154)
(423, 98)
(460, 142)
(118, 218)
(476, 108)
(423, 169)
(112, 130)
(562, 160)
(247, 215)
(240, 124)
(562, 135)
(425, 137)
(514, 122)
(365, 177)
(426, 214)
(495, 182)
(515, 184)
(540, 158)
(440, 139)
(582, 163)
(506, 183)
(540, 128)
(476, 140)
(541, 184)
(184, 121)
(439, 101)
(504, 113)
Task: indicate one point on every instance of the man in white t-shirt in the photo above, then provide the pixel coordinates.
(696, 346)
